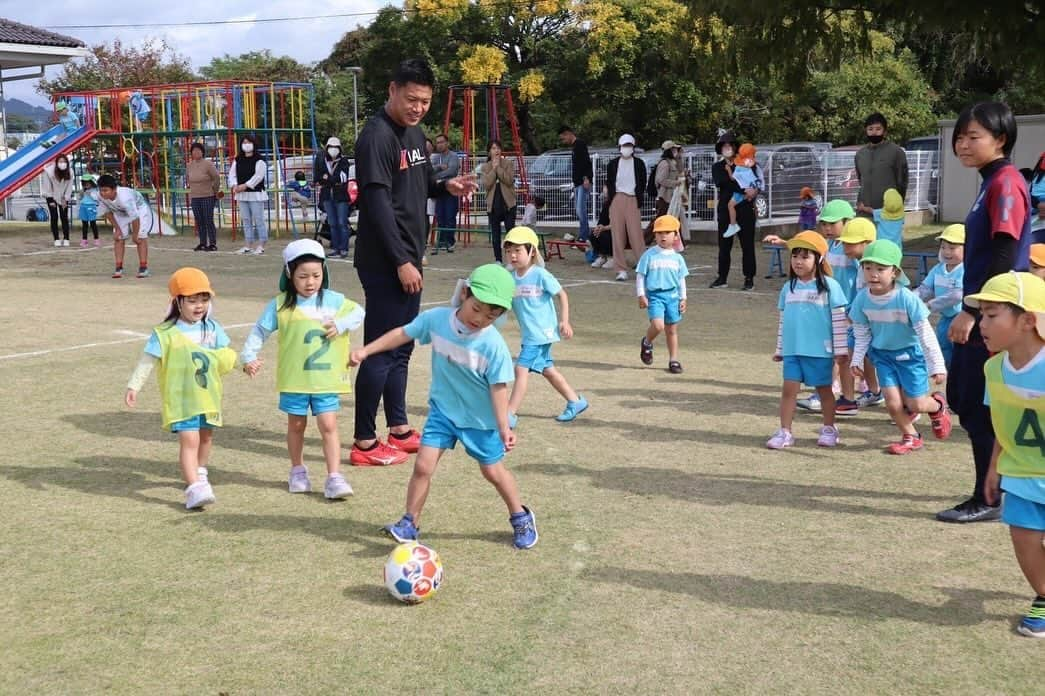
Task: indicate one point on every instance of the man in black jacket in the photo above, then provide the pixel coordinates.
(722, 175)
(582, 178)
(626, 181)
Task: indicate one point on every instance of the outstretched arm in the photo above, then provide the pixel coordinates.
(390, 341)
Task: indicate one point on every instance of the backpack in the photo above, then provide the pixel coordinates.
(651, 184)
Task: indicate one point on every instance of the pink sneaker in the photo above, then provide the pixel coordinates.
(828, 436)
(83, 243)
(97, 242)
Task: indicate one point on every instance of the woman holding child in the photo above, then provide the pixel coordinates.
(722, 175)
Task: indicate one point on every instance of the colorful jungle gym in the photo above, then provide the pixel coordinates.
(143, 136)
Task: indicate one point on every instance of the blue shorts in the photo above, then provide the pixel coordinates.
(298, 404)
(901, 368)
(535, 358)
(814, 372)
(191, 424)
(484, 446)
(1020, 512)
(664, 304)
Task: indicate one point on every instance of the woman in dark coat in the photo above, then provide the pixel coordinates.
(722, 175)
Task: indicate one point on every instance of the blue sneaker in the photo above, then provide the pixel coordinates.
(1032, 625)
(403, 530)
(524, 525)
(573, 409)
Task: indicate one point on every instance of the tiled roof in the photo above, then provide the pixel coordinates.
(15, 32)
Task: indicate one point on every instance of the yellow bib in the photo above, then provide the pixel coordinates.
(1019, 426)
(309, 362)
(190, 377)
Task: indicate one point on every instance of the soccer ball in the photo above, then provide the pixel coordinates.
(413, 572)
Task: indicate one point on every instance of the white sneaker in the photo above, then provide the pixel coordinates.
(609, 263)
(244, 250)
(810, 403)
(198, 494)
(65, 242)
(731, 230)
(58, 242)
(299, 482)
(336, 487)
(622, 275)
(828, 436)
(258, 251)
(781, 439)
(568, 237)
(201, 474)
(599, 262)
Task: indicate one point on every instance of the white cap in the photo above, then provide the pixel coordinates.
(333, 142)
(302, 247)
(626, 139)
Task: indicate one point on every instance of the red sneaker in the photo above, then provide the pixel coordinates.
(409, 445)
(941, 420)
(380, 455)
(908, 444)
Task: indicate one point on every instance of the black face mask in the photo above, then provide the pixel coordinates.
(875, 139)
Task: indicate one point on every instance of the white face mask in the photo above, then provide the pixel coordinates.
(247, 148)
(626, 151)
(63, 166)
(333, 152)
(727, 152)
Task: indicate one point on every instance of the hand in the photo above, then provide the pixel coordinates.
(992, 486)
(857, 371)
(772, 239)
(357, 356)
(961, 327)
(565, 329)
(939, 378)
(252, 368)
(750, 193)
(643, 302)
(131, 398)
(463, 185)
(841, 360)
(117, 233)
(410, 278)
(682, 306)
(508, 438)
(778, 358)
(331, 328)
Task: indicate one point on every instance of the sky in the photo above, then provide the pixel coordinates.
(305, 40)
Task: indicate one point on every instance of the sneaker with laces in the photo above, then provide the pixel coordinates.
(869, 398)
(57, 242)
(118, 273)
(749, 284)
(970, 511)
(646, 352)
(610, 263)
(244, 250)
(781, 438)
(718, 283)
(200, 247)
(298, 481)
(336, 487)
(810, 403)
(83, 243)
(621, 275)
(524, 528)
(731, 230)
(198, 494)
(409, 444)
(379, 455)
(143, 273)
(573, 409)
(828, 436)
(403, 530)
(599, 262)
(65, 242)
(258, 251)
(1033, 624)
(908, 444)
(844, 408)
(941, 420)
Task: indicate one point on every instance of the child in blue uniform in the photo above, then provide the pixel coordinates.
(942, 288)
(535, 311)
(660, 282)
(889, 218)
(88, 212)
(468, 397)
(311, 371)
(1012, 323)
(191, 350)
(811, 337)
(892, 328)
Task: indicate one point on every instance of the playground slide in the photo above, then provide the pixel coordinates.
(27, 161)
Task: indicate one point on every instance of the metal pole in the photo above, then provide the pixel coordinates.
(355, 70)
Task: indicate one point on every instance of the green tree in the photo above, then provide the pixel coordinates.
(261, 66)
(116, 65)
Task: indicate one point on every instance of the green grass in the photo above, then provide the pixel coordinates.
(676, 553)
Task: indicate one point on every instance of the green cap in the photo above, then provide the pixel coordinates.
(886, 253)
(60, 104)
(493, 284)
(836, 210)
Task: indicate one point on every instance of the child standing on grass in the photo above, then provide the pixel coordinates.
(942, 288)
(660, 282)
(88, 212)
(1012, 323)
(535, 310)
(193, 354)
(889, 218)
(892, 328)
(856, 236)
(808, 209)
(312, 367)
(468, 397)
(811, 336)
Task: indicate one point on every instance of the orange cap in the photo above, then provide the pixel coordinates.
(1037, 254)
(746, 152)
(189, 281)
(806, 192)
(814, 241)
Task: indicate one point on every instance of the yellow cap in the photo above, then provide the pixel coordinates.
(858, 230)
(189, 281)
(955, 234)
(522, 235)
(813, 241)
(666, 223)
(1025, 290)
(1037, 254)
(892, 205)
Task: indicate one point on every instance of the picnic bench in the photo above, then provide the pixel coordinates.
(555, 246)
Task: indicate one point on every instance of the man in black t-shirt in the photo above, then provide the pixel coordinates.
(395, 180)
(580, 162)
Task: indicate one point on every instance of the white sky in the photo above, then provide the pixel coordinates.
(304, 40)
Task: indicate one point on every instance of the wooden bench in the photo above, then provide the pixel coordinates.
(554, 247)
(776, 260)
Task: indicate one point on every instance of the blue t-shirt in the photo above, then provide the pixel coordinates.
(534, 306)
(807, 317)
(207, 333)
(1037, 187)
(69, 121)
(941, 282)
(1003, 205)
(1028, 383)
(664, 269)
(891, 317)
(89, 206)
(843, 269)
(889, 229)
(465, 364)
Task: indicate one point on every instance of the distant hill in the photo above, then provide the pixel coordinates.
(23, 110)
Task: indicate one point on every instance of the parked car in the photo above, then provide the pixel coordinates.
(786, 168)
(842, 181)
(551, 178)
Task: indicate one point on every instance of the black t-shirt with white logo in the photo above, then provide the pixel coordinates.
(392, 156)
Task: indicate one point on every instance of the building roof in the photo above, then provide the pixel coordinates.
(18, 33)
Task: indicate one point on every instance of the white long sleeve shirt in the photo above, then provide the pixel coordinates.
(260, 170)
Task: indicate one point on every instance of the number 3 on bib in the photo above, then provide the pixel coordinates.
(311, 361)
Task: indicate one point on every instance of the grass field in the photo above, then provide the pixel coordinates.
(677, 555)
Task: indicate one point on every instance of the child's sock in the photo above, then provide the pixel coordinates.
(402, 436)
(367, 449)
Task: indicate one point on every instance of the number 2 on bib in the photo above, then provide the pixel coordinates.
(311, 361)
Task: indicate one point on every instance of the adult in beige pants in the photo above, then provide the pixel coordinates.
(626, 181)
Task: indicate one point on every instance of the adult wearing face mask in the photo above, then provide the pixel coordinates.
(626, 181)
(247, 183)
(880, 166)
(722, 175)
(332, 172)
(56, 186)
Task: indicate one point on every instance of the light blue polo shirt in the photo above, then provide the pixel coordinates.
(807, 318)
(664, 269)
(1028, 383)
(889, 229)
(844, 269)
(534, 306)
(891, 317)
(207, 333)
(943, 281)
(465, 364)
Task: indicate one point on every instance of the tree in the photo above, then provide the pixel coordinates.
(261, 66)
(116, 65)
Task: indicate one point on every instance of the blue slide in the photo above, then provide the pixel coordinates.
(27, 161)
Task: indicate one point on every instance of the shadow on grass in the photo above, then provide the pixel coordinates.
(367, 536)
(597, 366)
(373, 594)
(724, 490)
(962, 606)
